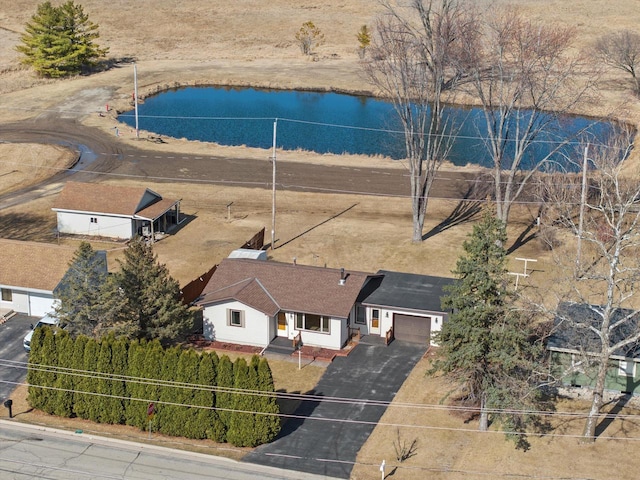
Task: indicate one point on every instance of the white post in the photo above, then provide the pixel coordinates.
(382, 468)
(299, 358)
(273, 192)
(135, 96)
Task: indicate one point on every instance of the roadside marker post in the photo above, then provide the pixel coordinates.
(151, 410)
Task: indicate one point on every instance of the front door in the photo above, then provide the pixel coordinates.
(375, 321)
(282, 324)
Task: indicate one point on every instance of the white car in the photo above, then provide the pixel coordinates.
(46, 320)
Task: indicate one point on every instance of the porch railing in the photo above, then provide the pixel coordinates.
(388, 336)
(297, 341)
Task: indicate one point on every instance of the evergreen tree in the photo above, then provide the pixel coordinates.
(267, 427)
(34, 373)
(153, 308)
(224, 398)
(168, 417)
(188, 416)
(65, 382)
(49, 360)
(60, 41)
(79, 346)
(486, 344)
(242, 432)
(154, 361)
(90, 404)
(136, 410)
(116, 406)
(205, 397)
(79, 308)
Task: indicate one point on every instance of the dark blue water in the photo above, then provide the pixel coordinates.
(325, 123)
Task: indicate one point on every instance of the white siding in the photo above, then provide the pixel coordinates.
(19, 301)
(34, 303)
(104, 226)
(256, 330)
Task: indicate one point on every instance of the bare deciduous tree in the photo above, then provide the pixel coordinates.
(525, 78)
(415, 58)
(621, 50)
(605, 276)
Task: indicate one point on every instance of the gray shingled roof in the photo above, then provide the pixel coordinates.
(567, 336)
(408, 291)
(273, 286)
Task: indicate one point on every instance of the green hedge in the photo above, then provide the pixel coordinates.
(195, 395)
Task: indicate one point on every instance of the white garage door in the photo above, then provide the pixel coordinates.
(40, 305)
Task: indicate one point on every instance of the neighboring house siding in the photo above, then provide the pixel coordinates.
(103, 225)
(34, 303)
(572, 371)
(256, 329)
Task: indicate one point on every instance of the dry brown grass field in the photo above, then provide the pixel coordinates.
(252, 43)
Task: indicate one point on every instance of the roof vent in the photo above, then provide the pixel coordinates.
(343, 279)
(294, 260)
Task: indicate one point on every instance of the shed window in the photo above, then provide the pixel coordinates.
(93, 219)
(361, 315)
(235, 318)
(626, 369)
(7, 295)
(311, 322)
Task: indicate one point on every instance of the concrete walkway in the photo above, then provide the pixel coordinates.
(318, 443)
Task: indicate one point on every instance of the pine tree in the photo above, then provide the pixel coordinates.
(153, 307)
(65, 381)
(79, 308)
(486, 346)
(60, 41)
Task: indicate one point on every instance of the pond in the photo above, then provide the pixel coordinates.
(322, 123)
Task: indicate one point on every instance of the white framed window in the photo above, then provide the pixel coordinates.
(375, 318)
(235, 318)
(361, 315)
(7, 295)
(626, 369)
(312, 323)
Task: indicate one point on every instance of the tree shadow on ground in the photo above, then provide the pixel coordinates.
(304, 409)
(314, 227)
(617, 407)
(529, 233)
(28, 226)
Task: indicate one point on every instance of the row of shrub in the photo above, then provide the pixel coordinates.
(113, 380)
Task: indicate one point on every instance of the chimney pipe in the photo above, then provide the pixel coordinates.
(342, 277)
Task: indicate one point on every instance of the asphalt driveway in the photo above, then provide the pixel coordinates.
(13, 357)
(318, 443)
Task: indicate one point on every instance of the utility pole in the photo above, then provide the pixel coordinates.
(583, 199)
(135, 97)
(273, 191)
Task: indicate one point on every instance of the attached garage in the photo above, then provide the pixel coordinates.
(40, 304)
(412, 328)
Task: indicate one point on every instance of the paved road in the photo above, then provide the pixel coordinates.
(13, 357)
(121, 158)
(28, 452)
(320, 446)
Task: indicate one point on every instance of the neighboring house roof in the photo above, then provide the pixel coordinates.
(408, 291)
(571, 332)
(33, 265)
(111, 199)
(273, 286)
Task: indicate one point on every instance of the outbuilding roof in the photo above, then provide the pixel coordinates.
(408, 291)
(112, 199)
(273, 286)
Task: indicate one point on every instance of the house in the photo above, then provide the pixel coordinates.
(104, 210)
(252, 302)
(406, 303)
(573, 348)
(30, 272)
